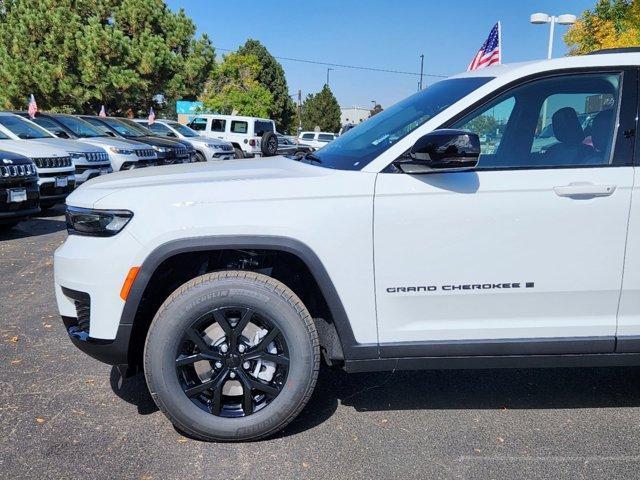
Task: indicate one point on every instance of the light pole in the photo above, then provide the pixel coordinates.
(328, 70)
(542, 18)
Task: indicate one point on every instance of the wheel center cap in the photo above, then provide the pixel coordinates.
(233, 360)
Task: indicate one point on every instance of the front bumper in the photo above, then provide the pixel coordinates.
(87, 171)
(50, 192)
(87, 288)
(13, 211)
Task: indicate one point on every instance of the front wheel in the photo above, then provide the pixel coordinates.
(232, 356)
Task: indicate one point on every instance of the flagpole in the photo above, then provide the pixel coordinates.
(500, 42)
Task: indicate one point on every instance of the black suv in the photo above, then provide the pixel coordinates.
(169, 151)
(19, 194)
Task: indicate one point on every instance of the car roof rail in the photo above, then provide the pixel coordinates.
(615, 50)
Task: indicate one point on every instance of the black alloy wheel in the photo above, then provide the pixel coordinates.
(233, 375)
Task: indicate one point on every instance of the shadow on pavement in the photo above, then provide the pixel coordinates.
(447, 390)
(46, 222)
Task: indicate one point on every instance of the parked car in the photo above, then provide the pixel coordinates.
(207, 148)
(248, 135)
(56, 173)
(19, 192)
(401, 247)
(89, 161)
(123, 154)
(289, 147)
(191, 151)
(316, 139)
(168, 152)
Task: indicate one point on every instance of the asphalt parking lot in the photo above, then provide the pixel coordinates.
(63, 415)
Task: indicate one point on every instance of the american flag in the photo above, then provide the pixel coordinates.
(489, 53)
(103, 112)
(152, 116)
(33, 107)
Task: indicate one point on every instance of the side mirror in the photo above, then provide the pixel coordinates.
(111, 134)
(62, 134)
(171, 134)
(445, 150)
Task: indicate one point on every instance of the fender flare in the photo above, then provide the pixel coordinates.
(351, 349)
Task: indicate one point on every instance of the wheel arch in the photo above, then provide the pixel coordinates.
(337, 326)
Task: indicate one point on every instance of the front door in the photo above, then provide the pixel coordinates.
(524, 255)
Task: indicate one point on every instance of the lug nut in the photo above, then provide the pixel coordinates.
(246, 365)
(218, 365)
(241, 348)
(232, 374)
(224, 348)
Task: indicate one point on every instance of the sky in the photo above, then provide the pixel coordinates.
(380, 34)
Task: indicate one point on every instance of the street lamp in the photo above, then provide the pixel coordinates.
(542, 18)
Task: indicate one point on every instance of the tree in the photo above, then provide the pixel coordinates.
(611, 24)
(321, 110)
(271, 76)
(76, 55)
(234, 88)
(375, 110)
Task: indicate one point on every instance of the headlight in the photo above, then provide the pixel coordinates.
(77, 155)
(214, 146)
(121, 151)
(160, 149)
(96, 223)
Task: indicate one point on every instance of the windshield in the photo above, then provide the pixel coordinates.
(183, 129)
(141, 129)
(23, 128)
(79, 127)
(362, 144)
(122, 128)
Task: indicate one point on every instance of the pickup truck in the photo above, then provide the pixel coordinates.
(406, 243)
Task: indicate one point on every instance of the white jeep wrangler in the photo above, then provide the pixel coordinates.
(406, 243)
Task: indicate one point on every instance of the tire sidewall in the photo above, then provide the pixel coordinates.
(166, 332)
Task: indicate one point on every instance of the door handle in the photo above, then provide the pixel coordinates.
(584, 190)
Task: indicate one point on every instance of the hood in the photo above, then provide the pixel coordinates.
(157, 141)
(107, 142)
(10, 158)
(68, 145)
(209, 140)
(32, 149)
(231, 180)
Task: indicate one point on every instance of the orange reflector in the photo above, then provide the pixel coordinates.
(128, 282)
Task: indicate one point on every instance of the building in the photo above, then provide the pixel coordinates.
(353, 115)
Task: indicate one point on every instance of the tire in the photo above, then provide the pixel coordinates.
(269, 144)
(200, 157)
(210, 413)
(239, 153)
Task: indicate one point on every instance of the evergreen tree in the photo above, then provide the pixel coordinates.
(76, 55)
(321, 110)
(272, 77)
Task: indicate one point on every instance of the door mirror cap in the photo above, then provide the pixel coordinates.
(445, 150)
(62, 134)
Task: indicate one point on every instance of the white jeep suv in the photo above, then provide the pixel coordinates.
(244, 133)
(406, 243)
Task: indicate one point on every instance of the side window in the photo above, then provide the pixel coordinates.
(49, 125)
(218, 125)
(562, 121)
(308, 136)
(159, 129)
(198, 124)
(325, 137)
(238, 126)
